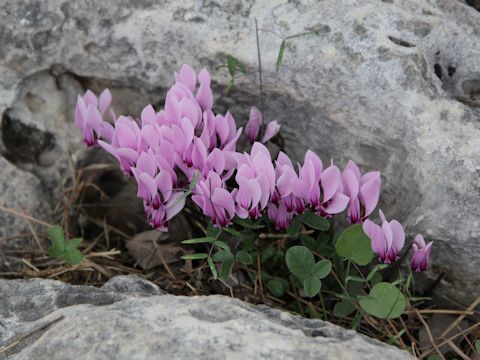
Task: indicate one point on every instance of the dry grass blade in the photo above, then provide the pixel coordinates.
(429, 333)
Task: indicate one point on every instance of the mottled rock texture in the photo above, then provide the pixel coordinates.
(59, 321)
(394, 85)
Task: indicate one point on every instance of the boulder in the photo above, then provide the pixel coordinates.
(129, 318)
(393, 85)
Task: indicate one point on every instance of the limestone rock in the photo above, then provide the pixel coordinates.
(59, 321)
(394, 85)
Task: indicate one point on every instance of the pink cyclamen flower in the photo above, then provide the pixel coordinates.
(272, 129)
(254, 124)
(126, 143)
(421, 253)
(89, 117)
(322, 189)
(215, 201)
(363, 191)
(286, 177)
(280, 215)
(387, 240)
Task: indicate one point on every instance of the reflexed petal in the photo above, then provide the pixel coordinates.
(420, 241)
(337, 204)
(127, 154)
(369, 194)
(147, 187)
(148, 115)
(351, 184)
(253, 124)
(374, 232)
(216, 160)
(175, 205)
(223, 199)
(354, 168)
(90, 98)
(126, 136)
(204, 93)
(272, 129)
(388, 234)
(108, 148)
(199, 154)
(398, 239)
(164, 184)
(330, 180)
(105, 100)
(146, 163)
(255, 192)
(316, 161)
(283, 160)
(187, 77)
(106, 131)
(286, 181)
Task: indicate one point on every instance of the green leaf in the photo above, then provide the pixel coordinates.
(212, 267)
(275, 286)
(477, 345)
(322, 269)
(232, 65)
(221, 256)
(221, 245)
(434, 357)
(343, 308)
(244, 257)
(226, 268)
(230, 84)
(56, 236)
(376, 279)
(247, 224)
(354, 279)
(71, 254)
(233, 232)
(213, 231)
(198, 256)
(73, 257)
(73, 243)
(315, 222)
(267, 253)
(385, 301)
(206, 239)
(353, 244)
(55, 252)
(375, 269)
(312, 285)
(194, 181)
(294, 228)
(309, 242)
(357, 320)
(300, 261)
(62, 249)
(280, 55)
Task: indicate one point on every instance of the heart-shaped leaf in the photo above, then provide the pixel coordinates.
(312, 285)
(315, 222)
(322, 269)
(300, 261)
(353, 244)
(385, 301)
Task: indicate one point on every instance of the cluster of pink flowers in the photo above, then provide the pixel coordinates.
(187, 143)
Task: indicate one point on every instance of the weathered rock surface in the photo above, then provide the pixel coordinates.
(127, 319)
(394, 85)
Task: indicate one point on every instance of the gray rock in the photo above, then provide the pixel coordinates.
(60, 321)
(19, 191)
(394, 85)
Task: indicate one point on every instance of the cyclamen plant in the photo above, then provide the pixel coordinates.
(187, 149)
